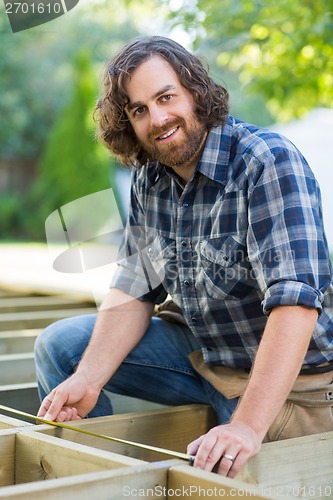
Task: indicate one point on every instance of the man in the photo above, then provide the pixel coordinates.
(226, 218)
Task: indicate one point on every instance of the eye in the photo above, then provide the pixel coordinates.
(139, 111)
(166, 97)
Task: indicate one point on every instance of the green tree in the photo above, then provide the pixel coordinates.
(281, 49)
(38, 79)
(36, 69)
(73, 164)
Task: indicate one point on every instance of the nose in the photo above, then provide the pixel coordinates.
(158, 116)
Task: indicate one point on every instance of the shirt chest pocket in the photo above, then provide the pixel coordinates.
(224, 270)
(162, 257)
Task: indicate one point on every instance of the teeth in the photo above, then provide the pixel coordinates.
(168, 133)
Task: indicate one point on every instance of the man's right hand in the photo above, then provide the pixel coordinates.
(73, 399)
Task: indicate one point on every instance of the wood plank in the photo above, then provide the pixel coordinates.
(198, 484)
(7, 457)
(17, 368)
(105, 485)
(10, 292)
(39, 319)
(47, 302)
(298, 467)
(39, 457)
(170, 428)
(10, 422)
(18, 341)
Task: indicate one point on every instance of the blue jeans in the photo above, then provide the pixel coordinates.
(157, 369)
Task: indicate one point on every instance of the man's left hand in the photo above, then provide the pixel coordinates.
(229, 446)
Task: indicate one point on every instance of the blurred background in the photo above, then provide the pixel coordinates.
(276, 59)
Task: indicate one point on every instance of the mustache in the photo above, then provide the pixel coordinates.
(158, 131)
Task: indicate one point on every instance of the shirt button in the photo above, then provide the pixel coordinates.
(185, 205)
(184, 244)
(194, 319)
(186, 283)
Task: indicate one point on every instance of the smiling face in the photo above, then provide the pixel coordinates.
(162, 114)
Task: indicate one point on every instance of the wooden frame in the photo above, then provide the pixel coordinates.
(29, 457)
(18, 341)
(9, 423)
(105, 485)
(170, 428)
(38, 319)
(40, 303)
(298, 467)
(184, 481)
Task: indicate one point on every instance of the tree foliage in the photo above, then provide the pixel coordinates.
(281, 49)
(49, 80)
(36, 67)
(73, 163)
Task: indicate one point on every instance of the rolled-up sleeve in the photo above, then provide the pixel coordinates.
(287, 245)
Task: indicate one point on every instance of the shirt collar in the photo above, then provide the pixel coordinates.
(214, 161)
(215, 158)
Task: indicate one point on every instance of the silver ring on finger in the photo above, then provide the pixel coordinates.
(229, 457)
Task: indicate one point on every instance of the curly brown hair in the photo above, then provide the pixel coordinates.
(115, 130)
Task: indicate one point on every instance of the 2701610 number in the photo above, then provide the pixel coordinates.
(39, 8)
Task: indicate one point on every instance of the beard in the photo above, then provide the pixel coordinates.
(176, 153)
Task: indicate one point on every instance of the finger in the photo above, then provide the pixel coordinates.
(45, 406)
(238, 463)
(75, 415)
(67, 414)
(209, 452)
(226, 463)
(229, 456)
(72, 414)
(194, 446)
(62, 416)
(58, 402)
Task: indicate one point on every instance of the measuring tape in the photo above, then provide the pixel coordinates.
(175, 454)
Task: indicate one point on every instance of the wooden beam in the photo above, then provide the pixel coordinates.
(197, 484)
(298, 467)
(7, 457)
(17, 368)
(38, 319)
(39, 457)
(10, 423)
(171, 428)
(18, 341)
(129, 482)
(20, 304)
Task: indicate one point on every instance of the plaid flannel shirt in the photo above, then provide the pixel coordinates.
(243, 236)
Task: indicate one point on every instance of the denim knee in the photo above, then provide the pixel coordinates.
(51, 336)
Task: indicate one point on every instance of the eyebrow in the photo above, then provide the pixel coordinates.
(138, 104)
